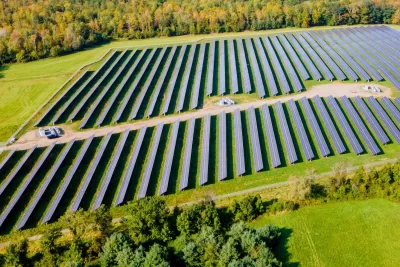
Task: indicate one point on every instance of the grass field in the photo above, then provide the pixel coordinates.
(25, 87)
(355, 233)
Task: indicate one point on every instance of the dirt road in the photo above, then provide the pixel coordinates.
(335, 89)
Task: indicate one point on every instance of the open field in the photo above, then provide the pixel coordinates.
(353, 233)
(38, 80)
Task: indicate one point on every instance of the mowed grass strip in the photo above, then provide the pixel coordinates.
(353, 233)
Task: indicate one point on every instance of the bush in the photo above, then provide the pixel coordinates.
(247, 209)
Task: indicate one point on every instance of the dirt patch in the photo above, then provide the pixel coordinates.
(335, 89)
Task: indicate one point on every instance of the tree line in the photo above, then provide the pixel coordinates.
(31, 29)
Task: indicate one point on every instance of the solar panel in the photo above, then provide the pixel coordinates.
(333, 133)
(332, 65)
(232, 67)
(345, 126)
(16, 170)
(61, 111)
(49, 177)
(185, 81)
(170, 157)
(222, 85)
(304, 142)
(172, 82)
(255, 140)
(255, 68)
(222, 163)
(391, 108)
(79, 79)
(95, 87)
(117, 91)
(360, 126)
(27, 181)
(134, 85)
(367, 114)
(383, 116)
(110, 171)
(160, 82)
(6, 159)
(317, 60)
(240, 165)
(187, 156)
(397, 100)
(210, 69)
(197, 79)
(287, 137)
(150, 161)
(104, 91)
(294, 57)
(337, 60)
(267, 68)
(205, 150)
(89, 174)
(67, 180)
(243, 66)
(355, 51)
(277, 66)
(322, 146)
(131, 166)
(349, 57)
(287, 64)
(304, 56)
(272, 145)
(146, 86)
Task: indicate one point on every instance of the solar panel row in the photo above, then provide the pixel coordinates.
(367, 114)
(150, 161)
(134, 85)
(287, 64)
(198, 75)
(170, 156)
(185, 82)
(16, 169)
(131, 166)
(187, 155)
(210, 68)
(287, 137)
(174, 78)
(6, 159)
(304, 142)
(221, 67)
(205, 150)
(244, 71)
(240, 166)
(267, 68)
(345, 126)
(67, 181)
(110, 171)
(391, 108)
(232, 67)
(294, 57)
(118, 91)
(316, 129)
(26, 183)
(160, 82)
(327, 120)
(255, 140)
(78, 92)
(95, 87)
(143, 92)
(49, 177)
(89, 174)
(272, 144)
(103, 93)
(284, 84)
(222, 147)
(255, 68)
(360, 126)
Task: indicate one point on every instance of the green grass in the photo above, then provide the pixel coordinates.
(354, 233)
(26, 86)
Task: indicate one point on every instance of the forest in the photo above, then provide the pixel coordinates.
(31, 29)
